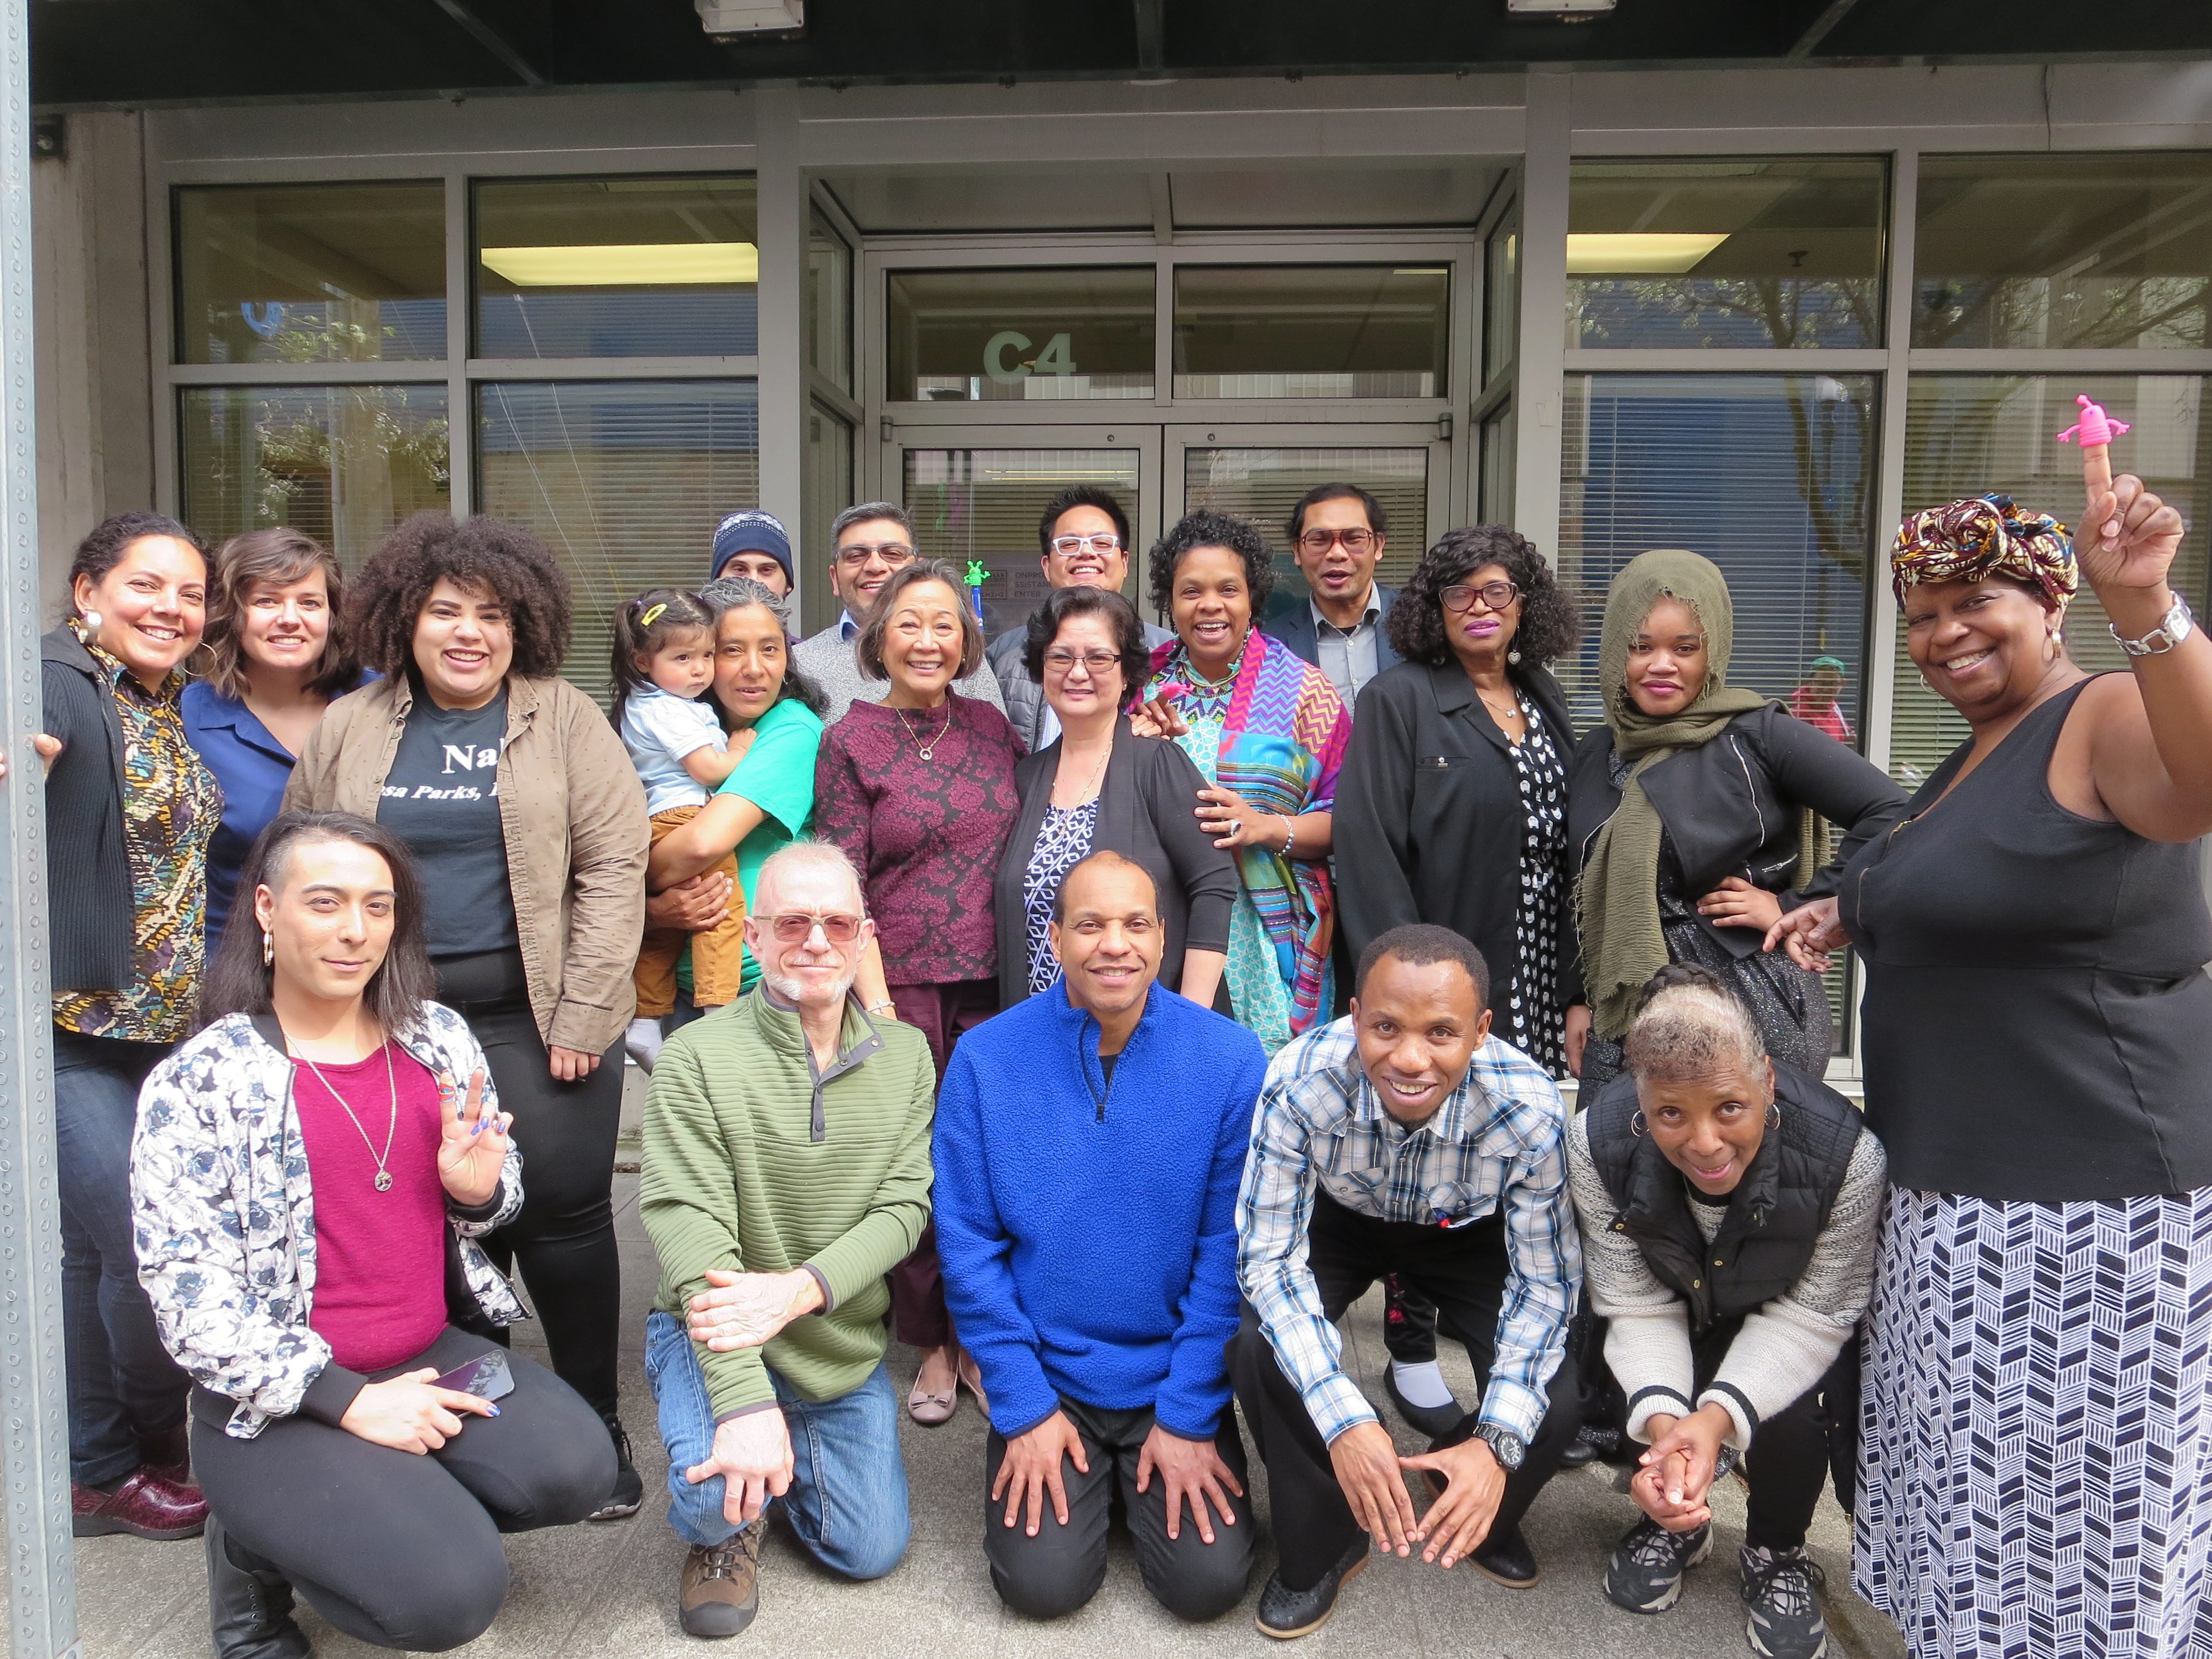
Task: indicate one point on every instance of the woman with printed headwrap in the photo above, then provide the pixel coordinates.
(2036, 1452)
(1690, 811)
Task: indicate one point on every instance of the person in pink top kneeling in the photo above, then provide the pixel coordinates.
(310, 1174)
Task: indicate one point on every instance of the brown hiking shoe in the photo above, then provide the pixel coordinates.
(721, 1585)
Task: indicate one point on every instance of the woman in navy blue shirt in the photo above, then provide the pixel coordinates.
(272, 664)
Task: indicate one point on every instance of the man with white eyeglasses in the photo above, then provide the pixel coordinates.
(1336, 534)
(787, 1170)
(1083, 540)
(873, 541)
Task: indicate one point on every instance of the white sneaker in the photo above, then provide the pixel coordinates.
(643, 1042)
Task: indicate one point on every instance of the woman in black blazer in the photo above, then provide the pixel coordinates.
(1101, 787)
(1451, 807)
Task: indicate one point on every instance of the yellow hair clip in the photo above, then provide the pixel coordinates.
(651, 616)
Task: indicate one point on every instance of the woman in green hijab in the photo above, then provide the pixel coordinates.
(1692, 813)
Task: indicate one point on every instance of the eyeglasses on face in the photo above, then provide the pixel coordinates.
(1496, 596)
(1355, 540)
(854, 555)
(1068, 546)
(793, 926)
(1060, 660)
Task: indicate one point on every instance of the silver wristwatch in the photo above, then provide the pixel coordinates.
(2179, 623)
(1508, 1447)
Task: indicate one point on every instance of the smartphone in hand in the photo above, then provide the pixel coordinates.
(486, 1377)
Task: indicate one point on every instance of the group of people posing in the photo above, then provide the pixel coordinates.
(1021, 998)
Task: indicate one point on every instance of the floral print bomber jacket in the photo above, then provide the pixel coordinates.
(224, 1213)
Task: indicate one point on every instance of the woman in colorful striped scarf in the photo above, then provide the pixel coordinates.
(1268, 732)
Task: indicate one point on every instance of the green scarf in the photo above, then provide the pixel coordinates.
(1618, 898)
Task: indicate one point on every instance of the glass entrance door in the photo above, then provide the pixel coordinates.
(1258, 473)
(976, 492)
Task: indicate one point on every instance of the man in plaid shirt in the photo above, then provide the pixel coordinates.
(1405, 1138)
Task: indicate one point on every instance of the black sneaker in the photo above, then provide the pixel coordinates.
(629, 1490)
(1782, 1590)
(1285, 1613)
(1645, 1575)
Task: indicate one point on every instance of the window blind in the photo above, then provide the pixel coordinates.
(1768, 475)
(624, 480)
(341, 463)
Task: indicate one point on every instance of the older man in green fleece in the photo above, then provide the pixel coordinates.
(786, 1168)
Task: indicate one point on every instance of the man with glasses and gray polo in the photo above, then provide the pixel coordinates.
(1336, 537)
(1083, 540)
(786, 1170)
(873, 541)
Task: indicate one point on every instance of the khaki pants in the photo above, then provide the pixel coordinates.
(717, 955)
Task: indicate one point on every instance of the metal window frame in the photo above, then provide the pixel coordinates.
(905, 423)
(458, 372)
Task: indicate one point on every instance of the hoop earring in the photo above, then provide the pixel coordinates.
(268, 948)
(1773, 1116)
(1637, 1123)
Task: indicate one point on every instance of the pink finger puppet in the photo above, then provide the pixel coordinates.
(2095, 430)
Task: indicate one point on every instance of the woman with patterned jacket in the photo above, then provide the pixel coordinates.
(309, 1177)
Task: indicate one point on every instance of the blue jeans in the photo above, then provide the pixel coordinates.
(848, 1497)
(122, 1382)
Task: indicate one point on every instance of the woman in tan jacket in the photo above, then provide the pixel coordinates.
(520, 802)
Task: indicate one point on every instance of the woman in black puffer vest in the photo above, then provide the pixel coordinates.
(1729, 1206)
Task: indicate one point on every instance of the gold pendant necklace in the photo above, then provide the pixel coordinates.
(383, 1182)
(928, 751)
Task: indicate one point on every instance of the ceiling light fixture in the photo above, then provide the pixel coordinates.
(1567, 11)
(1664, 253)
(625, 265)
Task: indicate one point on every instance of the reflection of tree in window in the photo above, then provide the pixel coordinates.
(1733, 311)
(2067, 250)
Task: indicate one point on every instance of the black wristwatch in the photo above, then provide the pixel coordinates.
(1507, 1447)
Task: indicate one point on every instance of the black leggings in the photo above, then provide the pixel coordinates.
(398, 1548)
(1793, 1451)
(564, 1239)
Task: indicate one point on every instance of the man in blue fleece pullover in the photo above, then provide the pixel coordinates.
(1089, 1145)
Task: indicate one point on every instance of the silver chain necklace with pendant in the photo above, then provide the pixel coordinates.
(383, 1182)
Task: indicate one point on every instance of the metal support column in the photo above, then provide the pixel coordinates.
(1549, 150)
(782, 239)
(35, 1456)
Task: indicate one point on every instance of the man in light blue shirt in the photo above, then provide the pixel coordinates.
(1337, 539)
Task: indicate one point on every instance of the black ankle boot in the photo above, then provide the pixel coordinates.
(249, 1603)
(630, 1486)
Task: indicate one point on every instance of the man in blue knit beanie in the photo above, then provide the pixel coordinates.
(1088, 1143)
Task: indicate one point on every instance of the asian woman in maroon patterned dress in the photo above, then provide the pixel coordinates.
(919, 792)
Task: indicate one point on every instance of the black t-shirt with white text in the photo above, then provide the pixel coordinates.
(441, 798)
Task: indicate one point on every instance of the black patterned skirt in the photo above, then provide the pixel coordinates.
(2036, 1459)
